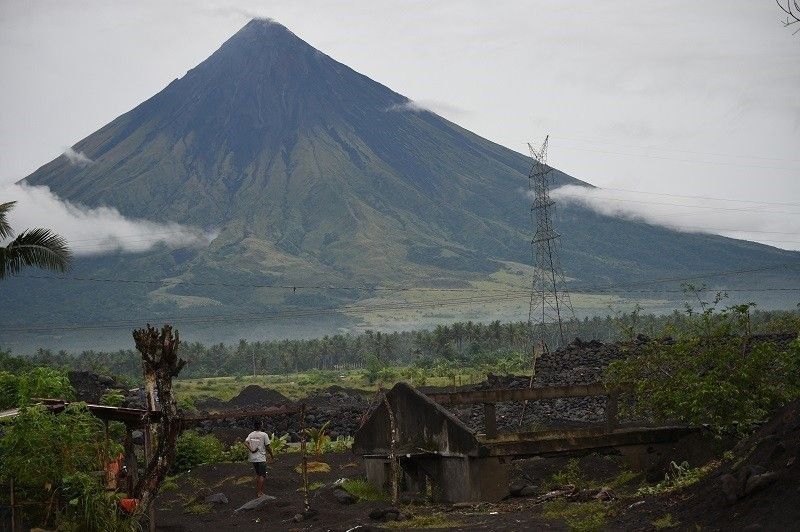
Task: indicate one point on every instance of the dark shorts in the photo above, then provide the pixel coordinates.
(261, 468)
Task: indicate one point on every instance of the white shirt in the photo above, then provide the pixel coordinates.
(257, 440)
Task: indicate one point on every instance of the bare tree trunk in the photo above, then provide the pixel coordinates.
(161, 364)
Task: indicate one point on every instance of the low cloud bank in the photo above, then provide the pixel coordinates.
(77, 158)
(774, 225)
(93, 231)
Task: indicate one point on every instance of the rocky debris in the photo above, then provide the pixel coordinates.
(89, 386)
(757, 482)
(255, 504)
(217, 498)
(342, 496)
(256, 396)
(386, 514)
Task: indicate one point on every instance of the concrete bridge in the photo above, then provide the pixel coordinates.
(436, 450)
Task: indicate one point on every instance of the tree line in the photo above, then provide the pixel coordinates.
(461, 343)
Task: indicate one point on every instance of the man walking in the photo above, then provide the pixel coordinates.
(258, 444)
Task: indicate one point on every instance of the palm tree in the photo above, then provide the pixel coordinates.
(33, 247)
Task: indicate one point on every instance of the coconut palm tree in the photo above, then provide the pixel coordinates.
(33, 247)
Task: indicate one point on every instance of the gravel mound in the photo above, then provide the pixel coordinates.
(256, 396)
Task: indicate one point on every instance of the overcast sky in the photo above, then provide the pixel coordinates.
(677, 97)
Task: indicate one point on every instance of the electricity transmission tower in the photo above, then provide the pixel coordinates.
(550, 302)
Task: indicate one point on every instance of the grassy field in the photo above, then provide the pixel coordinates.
(298, 385)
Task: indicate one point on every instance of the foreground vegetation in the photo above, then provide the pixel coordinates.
(711, 370)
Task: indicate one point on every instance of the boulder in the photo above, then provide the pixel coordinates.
(217, 498)
(730, 487)
(343, 497)
(757, 482)
(255, 504)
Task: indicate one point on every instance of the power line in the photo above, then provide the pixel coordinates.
(707, 207)
(407, 288)
(663, 148)
(520, 295)
(717, 163)
(701, 197)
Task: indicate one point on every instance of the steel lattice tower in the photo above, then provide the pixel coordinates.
(550, 302)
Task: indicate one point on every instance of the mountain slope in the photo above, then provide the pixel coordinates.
(314, 173)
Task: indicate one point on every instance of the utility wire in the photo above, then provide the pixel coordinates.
(407, 288)
(520, 295)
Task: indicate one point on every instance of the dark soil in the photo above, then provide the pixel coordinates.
(175, 511)
(775, 448)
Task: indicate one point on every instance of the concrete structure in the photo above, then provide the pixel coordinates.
(439, 455)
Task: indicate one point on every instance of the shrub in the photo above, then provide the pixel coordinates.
(16, 390)
(278, 444)
(237, 452)
(40, 448)
(340, 444)
(192, 450)
(112, 398)
(720, 381)
(91, 508)
(9, 389)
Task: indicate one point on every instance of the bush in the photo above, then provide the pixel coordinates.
(9, 389)
(91, 508)
(112, 398)
(17, 390)
(192, 450)
(720, 381)
(39, 448)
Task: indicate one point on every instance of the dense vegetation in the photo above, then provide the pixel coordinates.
(462, 344)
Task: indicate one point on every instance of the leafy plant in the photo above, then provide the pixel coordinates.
(318, 438)
(716, 375)
(112, 398)
(340, 444)
(91, 508)
(192, 450)
(278, 444)
(32, 247)
(43, 382)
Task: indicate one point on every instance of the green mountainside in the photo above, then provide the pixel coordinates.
(314, 174)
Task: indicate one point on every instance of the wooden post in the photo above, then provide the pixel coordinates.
(13, 509)
(392, 448)
(490, 419)
(130, 460)
(304, 456)
(611, 410)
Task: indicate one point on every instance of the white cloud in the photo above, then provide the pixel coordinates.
(93, 231)
(419, 106)
(77, 158)
(775, 225)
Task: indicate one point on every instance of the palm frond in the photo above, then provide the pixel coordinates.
(35, 247)
(5, 227)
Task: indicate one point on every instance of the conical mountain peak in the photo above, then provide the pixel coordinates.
(315, 173)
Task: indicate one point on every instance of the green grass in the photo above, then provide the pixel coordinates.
(664, 522)
(435, 520)
(197, 508)
(363, 490)
(299, 385)
(578, 516)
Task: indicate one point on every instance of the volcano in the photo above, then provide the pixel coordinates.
(314, 174)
